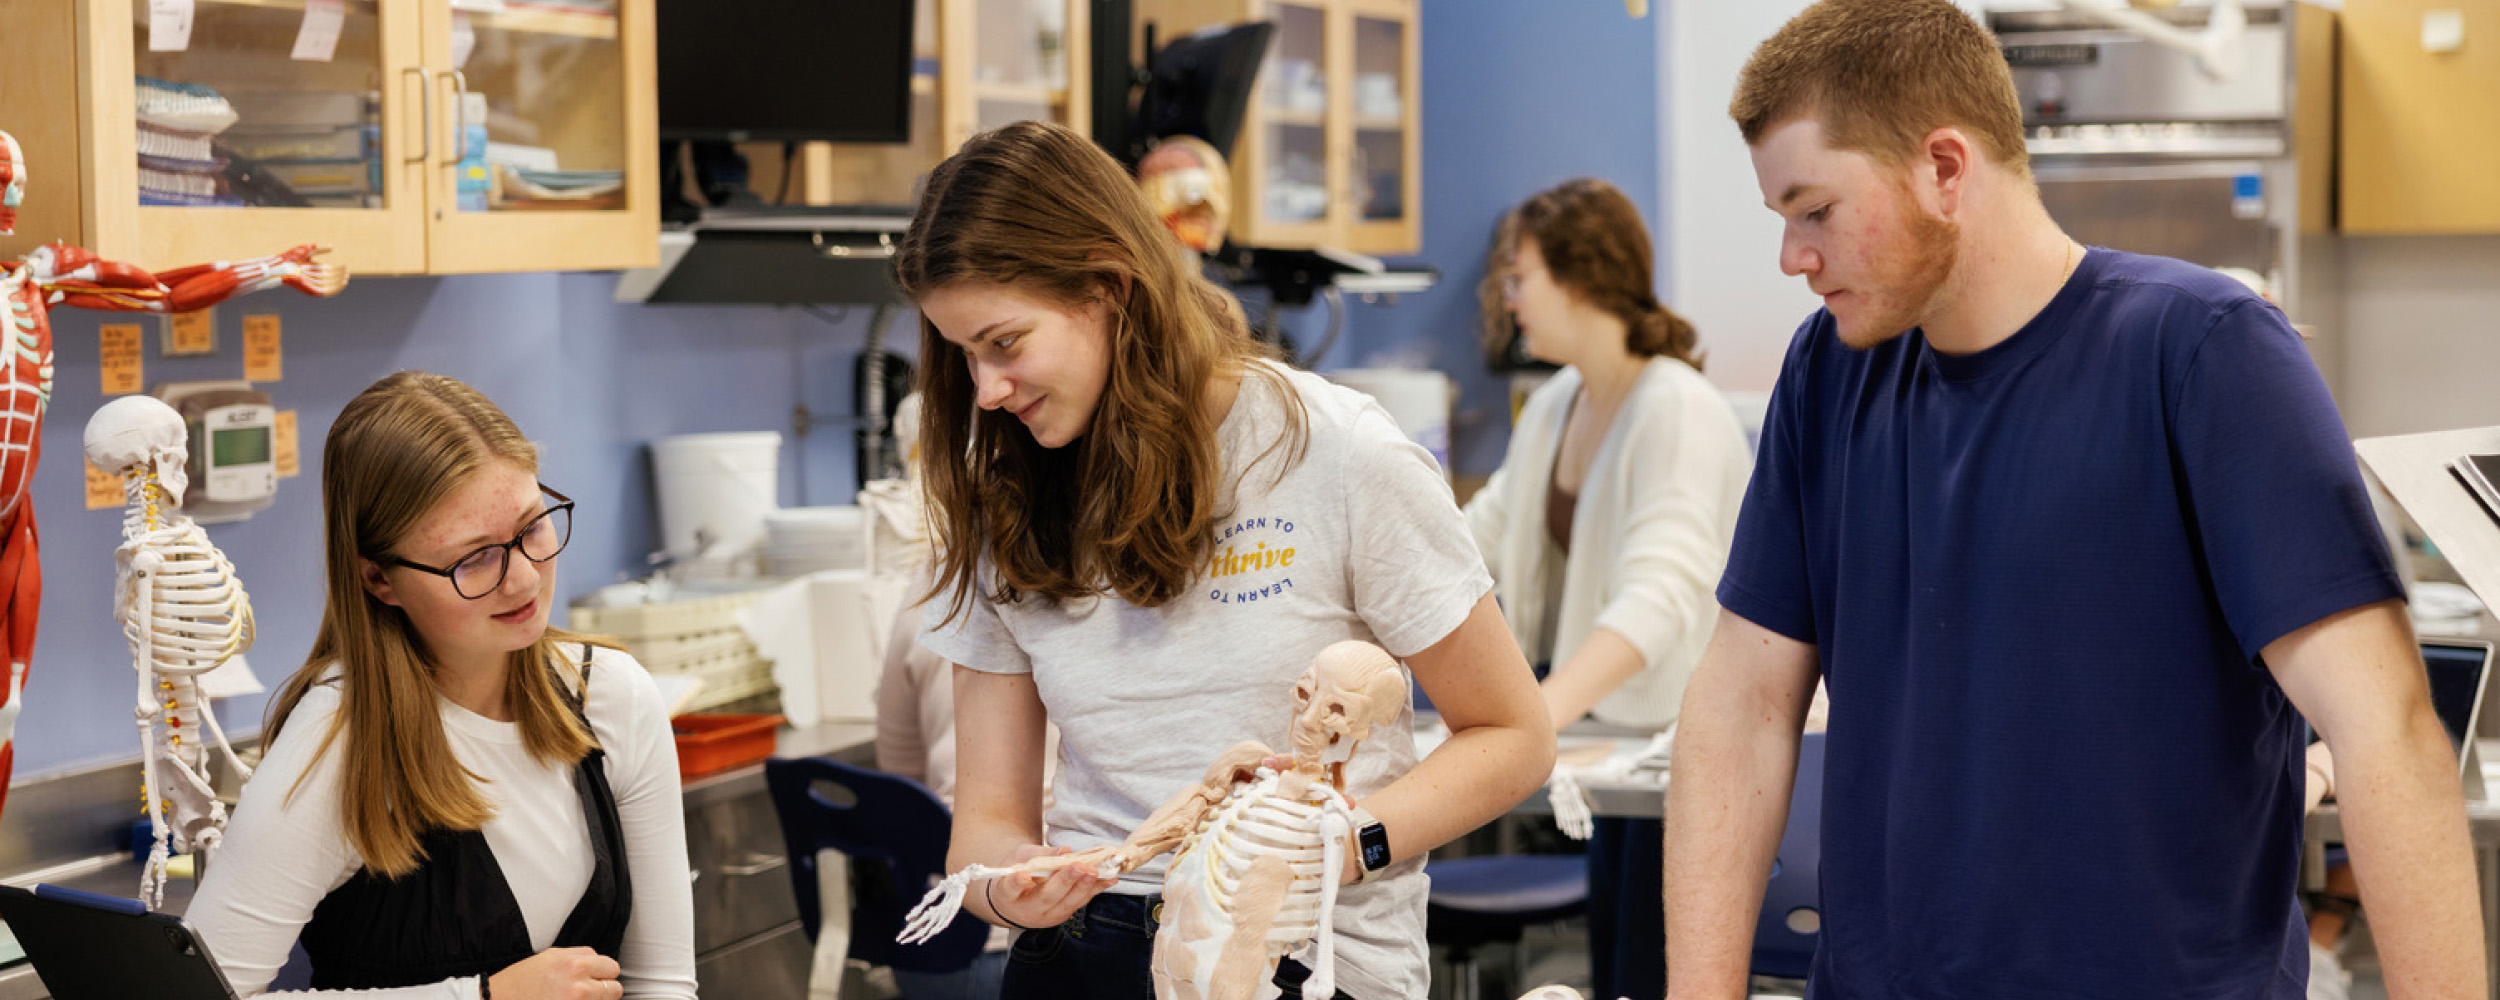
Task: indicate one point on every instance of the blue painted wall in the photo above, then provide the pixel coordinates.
(1517, 97)
(590, 380)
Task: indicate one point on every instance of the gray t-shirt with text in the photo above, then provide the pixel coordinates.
(1358, 540)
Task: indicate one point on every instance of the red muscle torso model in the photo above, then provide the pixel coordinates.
(58, 274)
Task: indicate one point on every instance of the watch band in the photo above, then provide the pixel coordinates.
(1371, 845)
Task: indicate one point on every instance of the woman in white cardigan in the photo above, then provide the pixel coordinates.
(1609, 521)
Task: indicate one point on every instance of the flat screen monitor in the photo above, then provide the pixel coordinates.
(2458, 671)
(1200, 84)
(786, 70)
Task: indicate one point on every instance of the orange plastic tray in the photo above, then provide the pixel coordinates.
(707, 744)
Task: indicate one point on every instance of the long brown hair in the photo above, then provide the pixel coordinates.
(397, 450)
(1501, 329)
(1594, 245)
(1130, 506)
(1881, 74)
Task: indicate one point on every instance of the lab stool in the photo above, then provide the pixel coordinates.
(881, 817)
(1790, 923)
(1490, 899)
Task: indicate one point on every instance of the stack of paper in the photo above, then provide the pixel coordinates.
(178, 161)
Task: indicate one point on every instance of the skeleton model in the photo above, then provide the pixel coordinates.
(57, 274)
(184, 614)
(1260, 851)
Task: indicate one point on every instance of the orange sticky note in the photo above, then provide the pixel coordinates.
(283, 451)
(191, 333)
(104, 489)
(261, 360)
(120, 354)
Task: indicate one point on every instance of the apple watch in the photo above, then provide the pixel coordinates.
(1371, 845)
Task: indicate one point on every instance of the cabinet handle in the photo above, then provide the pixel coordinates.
(757, 864)
(885, 248)
(459, 112)
(425, 115)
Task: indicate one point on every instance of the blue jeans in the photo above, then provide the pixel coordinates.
(1104, 952)
(978, 981)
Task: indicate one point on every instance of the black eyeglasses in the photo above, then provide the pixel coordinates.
(479, 573)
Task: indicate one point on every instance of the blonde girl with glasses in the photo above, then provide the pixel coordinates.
(459, 802)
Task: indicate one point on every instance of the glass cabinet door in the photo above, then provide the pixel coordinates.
(254, 125)
(543, 157)
(1287, 153)
(1382, 183)
(1019, 61)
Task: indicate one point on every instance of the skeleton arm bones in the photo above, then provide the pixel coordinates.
(1164, 830)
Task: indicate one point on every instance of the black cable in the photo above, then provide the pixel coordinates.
(789, 152)
(1336, 325)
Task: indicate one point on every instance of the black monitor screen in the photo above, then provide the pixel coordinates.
(1200, 84)
(786, 70)
(2456, 681)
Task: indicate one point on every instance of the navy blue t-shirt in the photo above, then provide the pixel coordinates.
(2038, 578)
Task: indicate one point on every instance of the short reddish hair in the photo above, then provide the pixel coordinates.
(1880, 75)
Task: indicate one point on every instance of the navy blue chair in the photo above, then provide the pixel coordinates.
(888, 819)
(1784, 936)
(1490, 899)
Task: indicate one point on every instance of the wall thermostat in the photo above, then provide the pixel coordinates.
(233, 461)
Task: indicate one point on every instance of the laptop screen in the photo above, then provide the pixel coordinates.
(2457, 671)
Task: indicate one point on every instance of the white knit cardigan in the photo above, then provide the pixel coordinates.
(1656, 514)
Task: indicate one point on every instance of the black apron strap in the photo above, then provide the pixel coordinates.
(598, 921)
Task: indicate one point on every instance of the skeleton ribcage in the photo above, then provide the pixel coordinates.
(198, 615)
(1251, 823)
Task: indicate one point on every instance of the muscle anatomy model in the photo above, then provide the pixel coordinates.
(57, 274)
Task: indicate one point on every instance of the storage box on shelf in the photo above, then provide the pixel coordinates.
(698, 637)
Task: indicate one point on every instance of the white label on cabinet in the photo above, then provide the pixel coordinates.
(169, 25)
(463, 38)
(318, 39)
(2443, 30)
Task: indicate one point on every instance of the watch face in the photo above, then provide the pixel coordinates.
(1375, 847)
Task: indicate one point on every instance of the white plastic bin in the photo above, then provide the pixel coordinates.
(1419, 401)
(715, 490)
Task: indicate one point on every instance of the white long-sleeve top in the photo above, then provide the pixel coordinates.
(1656, 514)
(283, 854)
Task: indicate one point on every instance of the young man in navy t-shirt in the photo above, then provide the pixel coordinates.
(2075, 539)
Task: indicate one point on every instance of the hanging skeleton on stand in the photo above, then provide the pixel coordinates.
(57, 274)
(184, 615)
(1260, 851)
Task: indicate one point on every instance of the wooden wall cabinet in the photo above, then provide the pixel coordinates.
(978, 64)
(1330, 153)
(384, 135)
(2420, 132)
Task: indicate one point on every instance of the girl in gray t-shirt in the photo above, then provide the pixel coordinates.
(1146, 530)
